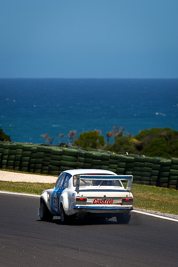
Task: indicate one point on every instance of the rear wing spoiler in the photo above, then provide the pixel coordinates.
(128, 178)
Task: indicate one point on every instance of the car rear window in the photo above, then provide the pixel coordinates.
(98, 183)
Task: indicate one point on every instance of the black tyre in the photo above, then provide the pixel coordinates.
(65, 219)
(45, 214)
(123, 218)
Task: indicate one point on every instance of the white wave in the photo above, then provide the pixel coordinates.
(159, 114)
(55, 125)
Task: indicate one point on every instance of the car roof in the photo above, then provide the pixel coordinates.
(88, 171)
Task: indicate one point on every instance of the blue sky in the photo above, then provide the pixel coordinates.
(89, 39)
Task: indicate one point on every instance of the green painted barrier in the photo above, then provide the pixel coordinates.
(53, 160)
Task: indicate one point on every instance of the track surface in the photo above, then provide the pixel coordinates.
(26, 241)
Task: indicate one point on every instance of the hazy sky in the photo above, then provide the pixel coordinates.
(89, 38)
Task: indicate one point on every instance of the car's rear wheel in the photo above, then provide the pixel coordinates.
(123, 218)
(65, 219)
(45, 214)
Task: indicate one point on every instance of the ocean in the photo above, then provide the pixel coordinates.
(30, 108)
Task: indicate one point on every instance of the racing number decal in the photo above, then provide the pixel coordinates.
(60, 186)
(55, 201)
(56, 194)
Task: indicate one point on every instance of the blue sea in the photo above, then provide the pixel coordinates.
(30, 108)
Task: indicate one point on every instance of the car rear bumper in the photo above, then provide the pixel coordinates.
(101, 209)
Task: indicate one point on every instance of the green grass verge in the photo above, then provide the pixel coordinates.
(155, 198)
(145, 197)
(23, 187)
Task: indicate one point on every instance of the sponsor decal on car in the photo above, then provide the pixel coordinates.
(103, 201)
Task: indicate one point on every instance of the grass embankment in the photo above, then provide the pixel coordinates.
(145, 197)
(155, 198)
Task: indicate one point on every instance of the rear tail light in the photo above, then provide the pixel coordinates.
(127, 201)
(81, 199)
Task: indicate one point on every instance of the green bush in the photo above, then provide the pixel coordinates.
(3, 136)
(158, 142)
(157, 147)
(122, 144)
(90, 140)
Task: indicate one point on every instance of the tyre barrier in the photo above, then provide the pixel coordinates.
(52, 160)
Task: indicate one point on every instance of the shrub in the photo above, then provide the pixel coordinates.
(3, 136)
(90, 140)
(122, 144)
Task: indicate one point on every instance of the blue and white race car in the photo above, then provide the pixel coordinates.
(88, 192)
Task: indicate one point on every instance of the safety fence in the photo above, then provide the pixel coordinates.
(53, 160)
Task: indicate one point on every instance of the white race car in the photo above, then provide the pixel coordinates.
(88, 191)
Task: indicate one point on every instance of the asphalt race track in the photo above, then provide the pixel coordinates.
(27, 241)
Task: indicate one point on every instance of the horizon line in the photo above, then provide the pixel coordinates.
(93, 78)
